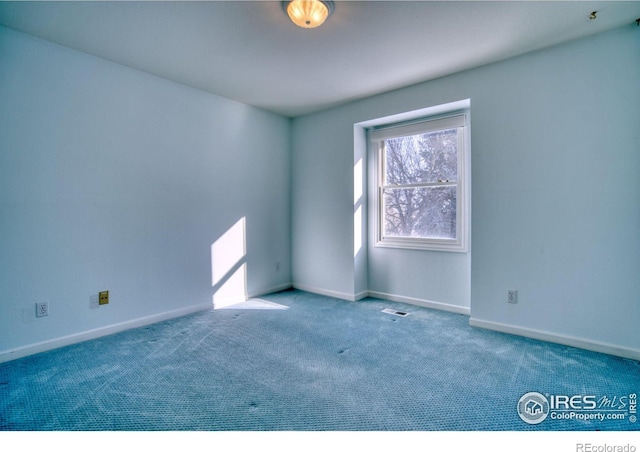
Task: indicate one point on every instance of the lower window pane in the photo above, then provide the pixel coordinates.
(425, 212)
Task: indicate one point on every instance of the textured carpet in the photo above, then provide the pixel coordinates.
(299, 361)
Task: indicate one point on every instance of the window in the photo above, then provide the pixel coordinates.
(422, 199)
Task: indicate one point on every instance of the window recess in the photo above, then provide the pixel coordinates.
(422, 199)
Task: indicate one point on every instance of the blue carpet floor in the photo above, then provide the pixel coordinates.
(320, 364)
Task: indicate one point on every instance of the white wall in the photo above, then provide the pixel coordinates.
(556, 193)
(113, 179)
(322, 204)
(555, 152)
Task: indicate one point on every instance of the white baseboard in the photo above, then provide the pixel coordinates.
(385, 296)
(421, 302)
(361, 295)
(259, 293)
(586, 344)
(52, 344)
(326, 292)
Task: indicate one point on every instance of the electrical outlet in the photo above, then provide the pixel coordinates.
(103, 297)
(42, 309)
(512, 296)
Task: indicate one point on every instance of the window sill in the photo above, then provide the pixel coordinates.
(423, 244)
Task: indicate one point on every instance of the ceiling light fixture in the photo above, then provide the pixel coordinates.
(308, 13)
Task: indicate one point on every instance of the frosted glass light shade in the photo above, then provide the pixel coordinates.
(308, 13)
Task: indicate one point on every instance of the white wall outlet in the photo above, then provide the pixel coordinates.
(42, 309)
(512, 296)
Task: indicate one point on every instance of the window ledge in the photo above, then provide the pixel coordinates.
(423, 244)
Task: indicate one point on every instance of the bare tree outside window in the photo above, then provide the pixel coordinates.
(420, 185)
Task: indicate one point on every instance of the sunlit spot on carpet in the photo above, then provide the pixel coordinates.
(255, 303)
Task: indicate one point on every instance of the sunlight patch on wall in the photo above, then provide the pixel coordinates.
(228, 266)
(357, 203)
(357, 231)
(233, 290)
(357, 182)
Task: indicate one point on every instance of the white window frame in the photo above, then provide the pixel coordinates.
(413, 127)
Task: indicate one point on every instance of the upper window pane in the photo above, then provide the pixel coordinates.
(424, 158)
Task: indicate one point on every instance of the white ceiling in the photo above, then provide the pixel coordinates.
(249, 51)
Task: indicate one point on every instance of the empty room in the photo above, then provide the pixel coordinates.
(320, 216)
